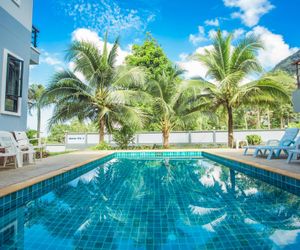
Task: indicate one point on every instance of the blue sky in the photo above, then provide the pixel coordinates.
(181, 27)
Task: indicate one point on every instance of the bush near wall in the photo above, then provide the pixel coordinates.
(254, 139)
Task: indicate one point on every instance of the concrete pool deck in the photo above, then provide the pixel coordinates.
(279, 166)
(15, 179)
(12, 179)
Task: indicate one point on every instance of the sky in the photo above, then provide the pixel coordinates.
(180, 27)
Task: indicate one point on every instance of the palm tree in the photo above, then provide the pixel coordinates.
(174, 102)
(106, 93)
(35, 93)
(228, 66)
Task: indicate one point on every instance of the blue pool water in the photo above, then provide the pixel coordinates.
(156, 203)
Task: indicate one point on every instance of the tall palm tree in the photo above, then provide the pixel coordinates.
(174, 102)
(228, 65)
(104, 95)
(35, 93)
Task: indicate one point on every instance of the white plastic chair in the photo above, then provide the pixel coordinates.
(25, 146)
(8, 142)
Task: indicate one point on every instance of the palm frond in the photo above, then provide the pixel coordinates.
(112, 57)
(128, 77)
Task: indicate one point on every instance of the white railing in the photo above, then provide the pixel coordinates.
(81, 140)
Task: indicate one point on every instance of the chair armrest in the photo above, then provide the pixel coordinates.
(272, 142)
(287, 142)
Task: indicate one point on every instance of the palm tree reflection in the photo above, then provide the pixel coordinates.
(156, 203)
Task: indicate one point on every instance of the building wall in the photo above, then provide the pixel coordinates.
(15, 37)
(22, 12)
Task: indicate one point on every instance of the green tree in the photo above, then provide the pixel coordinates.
(35, 93)
(174, 102)
(124, 136)
(58, 131)
(106, 93)
(228, 66)
(151, 57)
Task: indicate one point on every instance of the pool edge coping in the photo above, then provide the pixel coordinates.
(34, 180)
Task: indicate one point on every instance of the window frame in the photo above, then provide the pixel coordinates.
(6, 53)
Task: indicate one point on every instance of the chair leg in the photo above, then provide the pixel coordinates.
(4, 161)
(20, 159)
(270, 154)
(290, 157)
(278, 153)
(245, 152)
(15, 161)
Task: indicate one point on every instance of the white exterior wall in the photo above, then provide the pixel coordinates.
(195, 137)
(21, 10)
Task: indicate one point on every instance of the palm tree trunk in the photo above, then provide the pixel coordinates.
(166, 136)
(230, 127)
(269, 119)
(38, 134)
(101, 129)
(166, 133)
(258, 126)
(281, 122)
(232, 180)
(246, 121)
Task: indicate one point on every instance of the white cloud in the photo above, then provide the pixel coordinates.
(198, 38)
(102, 15)
(212, 22)
(275, 48)
(250, 11)
(212, 33)
(50, 59)
(284, 237)
(192, 67)
(237, 33)
(82, 34)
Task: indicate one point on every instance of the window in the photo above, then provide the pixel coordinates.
(13, 90)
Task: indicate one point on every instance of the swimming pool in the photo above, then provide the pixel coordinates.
(155, 201)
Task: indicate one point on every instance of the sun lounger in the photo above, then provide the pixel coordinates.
(293, 153)
(275, 147)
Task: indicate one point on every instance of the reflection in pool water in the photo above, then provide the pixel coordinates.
(157, 204)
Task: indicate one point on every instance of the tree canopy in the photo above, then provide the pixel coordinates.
(151, 57)
(105, 94)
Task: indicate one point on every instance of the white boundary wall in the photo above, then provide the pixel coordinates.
(82, 140)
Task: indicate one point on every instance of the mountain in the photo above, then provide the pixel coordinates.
(286, 64)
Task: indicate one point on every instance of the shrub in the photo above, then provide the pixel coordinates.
(102, 146)
(124, 136)
(254, 139)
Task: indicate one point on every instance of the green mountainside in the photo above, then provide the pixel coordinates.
(286, 64)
